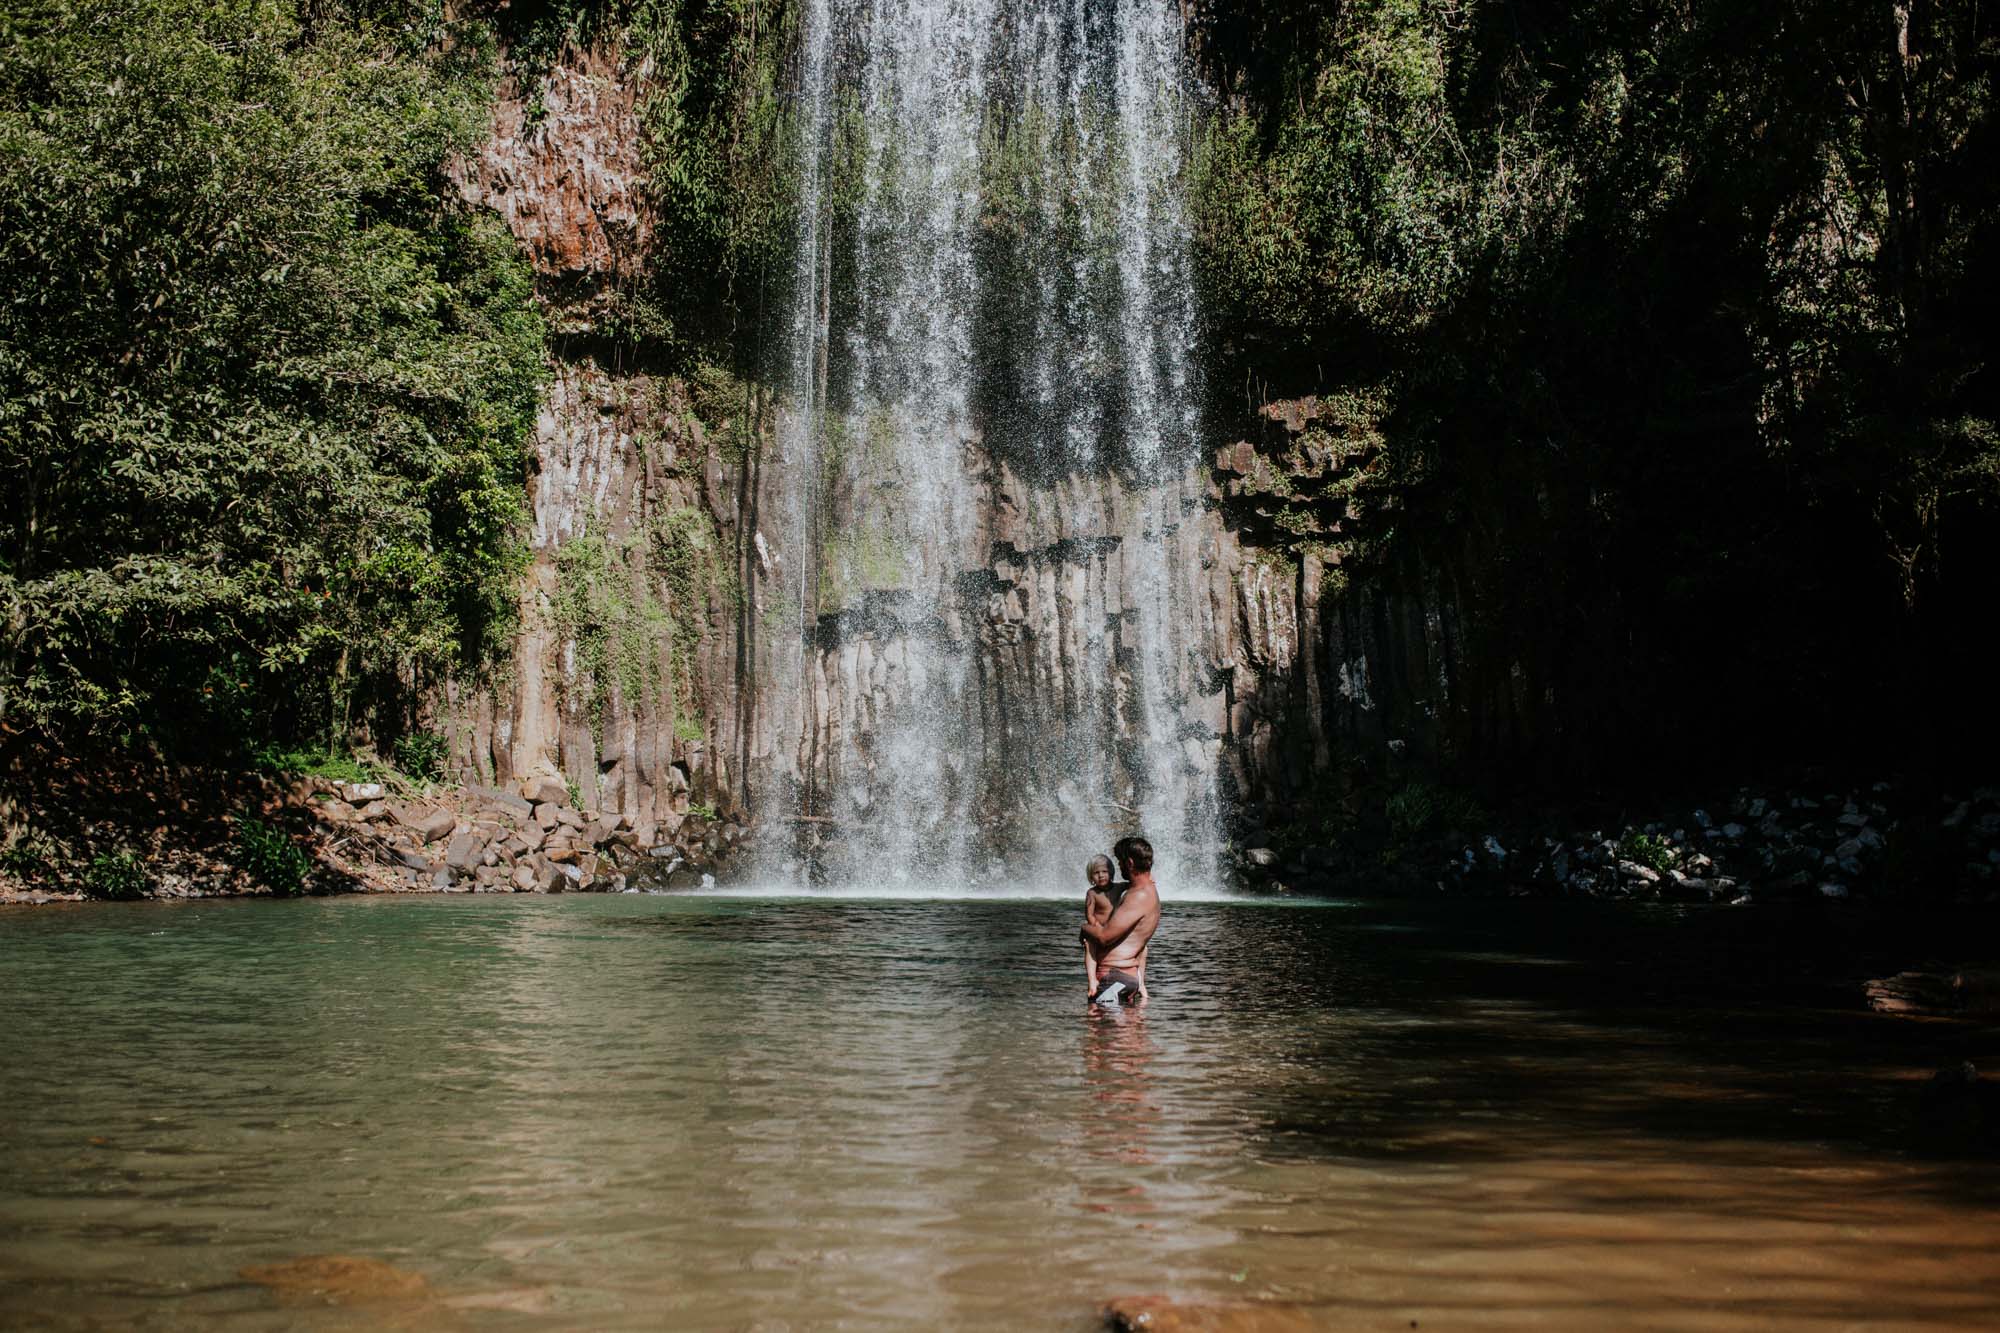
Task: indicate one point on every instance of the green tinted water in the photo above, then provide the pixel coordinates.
(755, 1113)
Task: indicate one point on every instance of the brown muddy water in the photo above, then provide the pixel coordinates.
(843, 1112)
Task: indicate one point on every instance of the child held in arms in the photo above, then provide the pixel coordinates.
(1100, 900)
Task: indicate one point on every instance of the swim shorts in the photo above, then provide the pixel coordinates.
(1116, 988)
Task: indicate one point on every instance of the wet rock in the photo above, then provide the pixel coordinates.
(1261, 857)
(1159, 1314)
(1633, 870)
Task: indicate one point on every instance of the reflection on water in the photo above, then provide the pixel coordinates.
(743, 1112)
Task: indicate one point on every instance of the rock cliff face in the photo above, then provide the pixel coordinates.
(663, 605)
(624, 679)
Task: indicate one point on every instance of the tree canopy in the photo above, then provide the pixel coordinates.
(264, 383)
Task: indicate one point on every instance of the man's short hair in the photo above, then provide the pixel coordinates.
(1135, 855)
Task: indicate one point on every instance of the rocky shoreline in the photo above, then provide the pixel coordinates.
(1753, 845)
(187, 835)
(1825, 842)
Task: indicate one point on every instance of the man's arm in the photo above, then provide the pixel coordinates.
(1131, 911)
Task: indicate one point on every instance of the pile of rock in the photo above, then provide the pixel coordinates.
(1818, 844)
(532, 839)
(1798, 844)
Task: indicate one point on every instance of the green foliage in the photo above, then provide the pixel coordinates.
(269, 856)
(116, 877)
(703, 809)
(721, 148)
(575, 794)
(1354, 205)
(1646, 849)
(1662, 308)
(634, 611)
(1418, 808)
(29, 854)
(264, 384)
(423, 755)
(608, 614)
(314, 764)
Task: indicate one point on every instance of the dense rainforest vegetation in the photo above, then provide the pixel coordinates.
(1674, 322)
(264, 387)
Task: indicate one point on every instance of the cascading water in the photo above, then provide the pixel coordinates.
(989, 426)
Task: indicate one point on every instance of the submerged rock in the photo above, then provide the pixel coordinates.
(1159, 1314)
(338, 1279)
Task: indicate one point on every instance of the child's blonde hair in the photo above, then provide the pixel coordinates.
(1100, 860)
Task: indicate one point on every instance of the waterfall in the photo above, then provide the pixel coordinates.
(988, 441)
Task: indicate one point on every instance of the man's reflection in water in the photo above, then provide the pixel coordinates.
(1123, 1114)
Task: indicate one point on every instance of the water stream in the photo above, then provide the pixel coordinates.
(989, 416)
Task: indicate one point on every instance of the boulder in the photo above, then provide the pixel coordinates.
(504, 803)
(547, 816)
(568, 817)
(334, 812)
(546, 789)
(374, 810)
(465, 851)
(1157, 1314)
(1261, 857)
(360, 793)
(414, 859)
(427, 822)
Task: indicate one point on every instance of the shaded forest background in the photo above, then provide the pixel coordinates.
(1675, 322)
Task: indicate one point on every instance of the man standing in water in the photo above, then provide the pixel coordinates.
(1121, 971)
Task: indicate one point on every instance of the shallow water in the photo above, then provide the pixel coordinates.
(754, 1112)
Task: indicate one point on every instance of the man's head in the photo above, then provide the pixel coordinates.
(1135, 856)
(1098, 872)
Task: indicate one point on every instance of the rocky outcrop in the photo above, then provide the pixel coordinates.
(532, 838)
(562, 166)
(623, 680)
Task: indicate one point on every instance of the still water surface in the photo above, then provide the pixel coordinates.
(742, 1112)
